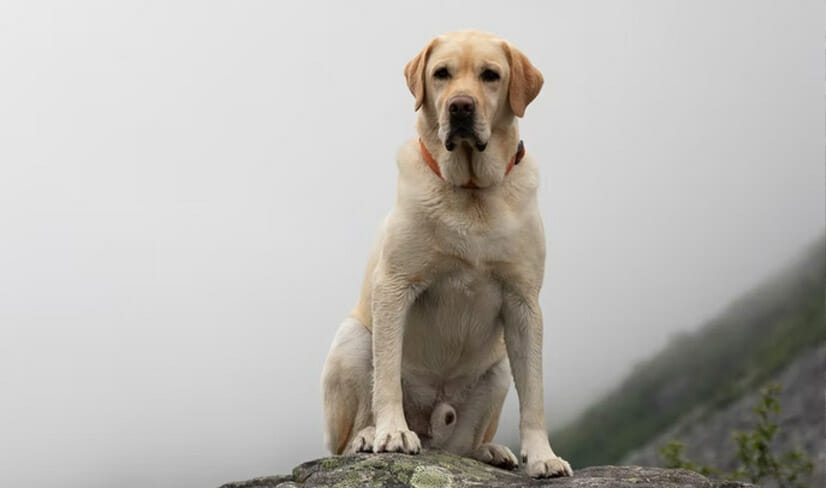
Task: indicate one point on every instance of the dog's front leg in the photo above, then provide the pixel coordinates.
(392, 298)
(523, 339)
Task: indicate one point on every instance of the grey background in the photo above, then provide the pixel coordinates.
(188, 193)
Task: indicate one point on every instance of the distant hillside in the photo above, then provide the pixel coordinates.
(733, 354)
(707, 435)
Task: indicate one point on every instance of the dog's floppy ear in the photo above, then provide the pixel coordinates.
(414, 73)
(525, 82)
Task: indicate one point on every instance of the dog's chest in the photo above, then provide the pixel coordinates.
(454, 327)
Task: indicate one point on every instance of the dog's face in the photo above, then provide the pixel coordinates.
(468, 83)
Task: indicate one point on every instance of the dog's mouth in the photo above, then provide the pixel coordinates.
(462, 133)
(465, 127)
(462, 127)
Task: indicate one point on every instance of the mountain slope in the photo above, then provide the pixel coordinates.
(707, 436)
(731, 355)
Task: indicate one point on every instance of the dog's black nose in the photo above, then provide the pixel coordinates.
(461, 105)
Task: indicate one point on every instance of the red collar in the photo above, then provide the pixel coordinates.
(428, 158)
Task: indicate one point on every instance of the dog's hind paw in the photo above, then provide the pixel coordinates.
(363, 441)
(495, 455)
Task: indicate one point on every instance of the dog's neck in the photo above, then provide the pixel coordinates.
(467, 167)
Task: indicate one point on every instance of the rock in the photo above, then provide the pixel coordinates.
(433, 469)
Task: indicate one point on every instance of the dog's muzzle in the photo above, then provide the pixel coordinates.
(462, 119)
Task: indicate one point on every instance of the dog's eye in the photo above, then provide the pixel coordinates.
(441, 74)
(489, 75)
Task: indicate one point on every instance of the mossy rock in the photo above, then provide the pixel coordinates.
(433, 469)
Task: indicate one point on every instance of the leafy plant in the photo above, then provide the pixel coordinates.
(674, 458)
(757, 460)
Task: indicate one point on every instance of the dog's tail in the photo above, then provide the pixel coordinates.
(442, 423)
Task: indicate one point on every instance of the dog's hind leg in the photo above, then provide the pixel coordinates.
(346, 384)
(478, 417)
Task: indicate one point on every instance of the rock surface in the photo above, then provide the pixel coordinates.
(433, 469)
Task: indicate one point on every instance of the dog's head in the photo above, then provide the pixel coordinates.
(468, 82)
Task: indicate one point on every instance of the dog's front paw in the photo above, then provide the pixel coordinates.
(551, 467)
(405, 441)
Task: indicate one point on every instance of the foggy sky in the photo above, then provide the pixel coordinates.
(189, 191)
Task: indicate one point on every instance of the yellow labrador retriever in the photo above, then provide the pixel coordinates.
(450, 302)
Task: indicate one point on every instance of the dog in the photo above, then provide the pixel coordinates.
(449, 307)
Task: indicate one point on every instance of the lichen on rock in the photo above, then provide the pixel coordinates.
(434, 469)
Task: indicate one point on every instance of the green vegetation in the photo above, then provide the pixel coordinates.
(758, 462)
(672, 454)
(731, 355)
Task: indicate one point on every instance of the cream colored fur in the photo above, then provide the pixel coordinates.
(449, 307)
